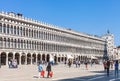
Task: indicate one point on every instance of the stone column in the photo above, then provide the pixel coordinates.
(31, 59)
(6, 58)
(20, 60)
(13, 55)
(36, 59)
(25, 59)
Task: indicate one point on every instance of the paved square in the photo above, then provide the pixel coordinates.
(61, 71)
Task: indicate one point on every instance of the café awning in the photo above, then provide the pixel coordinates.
(93, 57)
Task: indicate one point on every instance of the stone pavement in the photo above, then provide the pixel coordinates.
(61, 71)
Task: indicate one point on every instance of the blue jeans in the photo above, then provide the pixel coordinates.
(107, 71)
(116, 71)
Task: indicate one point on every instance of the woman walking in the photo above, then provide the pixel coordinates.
(48, 69)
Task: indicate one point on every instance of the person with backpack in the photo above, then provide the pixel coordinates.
(40, 70)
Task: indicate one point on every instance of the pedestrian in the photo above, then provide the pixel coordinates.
(69, 63)
(48, 69)
(86, 65)
(111, 63)
(65, 62)
(9, 64)
(105, 65)
(108, 67)
(79, 63)
(116, 68)
(76, 63)
(40, 69)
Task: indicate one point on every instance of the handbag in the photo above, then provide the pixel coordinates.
(50, 73)
(42, 73)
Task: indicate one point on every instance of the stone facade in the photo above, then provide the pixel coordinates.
(30, 41)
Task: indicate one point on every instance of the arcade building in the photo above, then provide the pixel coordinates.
(30, 41)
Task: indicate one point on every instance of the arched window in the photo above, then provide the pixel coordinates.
(5, 44)
(23, 31)
(18, 43)
(27, 32)
(22, 44)
(11, 29)
(8, 29)
(20, 31)
(8, 43)
(1, 42)
(4, 28)
(14, 30)
(17, 30)
(15, 43)
(24, 47)
(37, 34)
(27, 44)
(32, 33)
(11, 43)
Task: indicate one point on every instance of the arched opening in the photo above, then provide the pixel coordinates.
(3, 58)
(62, 59)
(65, 58)
(79, 58)
(23, 58)
(33, 58)
(48, 57)
(17, 57)
(58, 59)
(43, 57)
(38, 58)
(10, 56)
(28, 58)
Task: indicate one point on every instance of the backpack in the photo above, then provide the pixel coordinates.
(40, 68)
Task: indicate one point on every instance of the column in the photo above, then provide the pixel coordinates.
(25, 59)
(36, 59)
(7, 59)
(31, 59)
(20, 60)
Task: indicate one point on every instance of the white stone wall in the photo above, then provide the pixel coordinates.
(25, 34)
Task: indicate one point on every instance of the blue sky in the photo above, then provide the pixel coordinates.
(88, 16)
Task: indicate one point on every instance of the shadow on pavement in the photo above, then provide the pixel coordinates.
(101, 74)
(100, 71)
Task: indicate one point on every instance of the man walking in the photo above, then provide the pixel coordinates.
(108, 67)
(116, 68)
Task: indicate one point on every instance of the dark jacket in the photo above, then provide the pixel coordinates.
(48, 68)
(108, 64)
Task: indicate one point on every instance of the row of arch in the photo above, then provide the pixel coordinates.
(42, 46)
(47, 35)
(29, 58)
